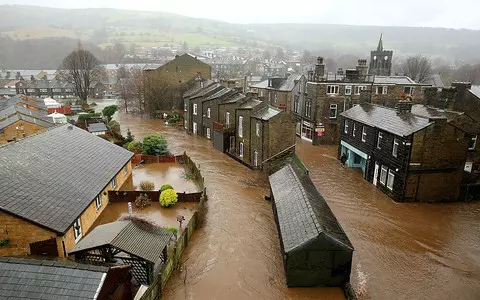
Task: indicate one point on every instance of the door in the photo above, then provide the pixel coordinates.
(194, 128)
(375, 174)
(232, 144)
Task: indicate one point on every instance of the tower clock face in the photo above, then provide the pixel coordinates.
(375, 57)
(386, 57)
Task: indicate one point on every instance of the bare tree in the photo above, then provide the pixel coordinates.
(418, 68)
(160, 92)
(82, 68)
(132, 89)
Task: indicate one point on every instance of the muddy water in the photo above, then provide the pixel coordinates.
(403, 251)
(164, 173)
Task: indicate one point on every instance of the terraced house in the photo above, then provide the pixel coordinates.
(53, 186)
(329, 94)
(413, 154)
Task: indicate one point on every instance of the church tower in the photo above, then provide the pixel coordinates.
(380, 60)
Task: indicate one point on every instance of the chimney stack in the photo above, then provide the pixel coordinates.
(404, 106)
(319, 69)
(362, 69)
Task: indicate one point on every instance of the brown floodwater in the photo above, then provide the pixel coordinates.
(402, 251)
(164, 173)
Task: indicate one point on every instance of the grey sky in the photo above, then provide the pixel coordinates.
(430, 13)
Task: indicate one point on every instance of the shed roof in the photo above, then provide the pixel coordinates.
(50, 178)
(42, 279)
(97, 127)
(302, 213)
(266, 113)
(128, 236)
(387, 119)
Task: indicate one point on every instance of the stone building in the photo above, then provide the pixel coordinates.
(411, 154)
(380, 60)
(51, 199)
(22, 116)
(279, 91)
(325, 95)
(224, 128)
(210, 110)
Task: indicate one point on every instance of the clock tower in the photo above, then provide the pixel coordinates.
(380, 60)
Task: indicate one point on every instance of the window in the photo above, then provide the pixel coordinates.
(395, 147)
(472, 143)
(359, 88)
(295, 104)
(364, 134)
(208, 132)
(391, 177)
(348, 90)
(240, 126)
(383, 175)
(208, 112)
(194, 128)
(333, 111)
(379, 140)
(332, 89)
(308, 109)
(257, 129)
(346, 126)
(255, 158)
(185, 105)
(114, 182)
(354, 128)
(77, 230)
(98, 202)
(378, 90)
(125, 170)
(408, 90)
(240, 151)
(384, 90)
(195, 109)
(227, 119)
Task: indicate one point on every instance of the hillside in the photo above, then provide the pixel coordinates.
(104, 27)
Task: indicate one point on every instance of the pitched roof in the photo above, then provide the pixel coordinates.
(250, 103)
(42, 279)
(475, 90)
(128, 236)
(196, 89)
(266, 113)
(290, 83)
(302, 213)
(455, 118)
(38, 103)
(260, 85)
(11, 119)
(97, 127)
(436, 81)
(234, 98)
(15, 109)
(220, 93)
(204, 92)
(386, 119)
(50, 178)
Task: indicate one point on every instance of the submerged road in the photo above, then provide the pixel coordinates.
(402, 251)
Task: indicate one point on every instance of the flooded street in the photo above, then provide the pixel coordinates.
(402, 251)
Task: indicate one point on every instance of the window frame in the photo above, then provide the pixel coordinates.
(77, 235)
(240, 126)
(333, 107)
(474, 139)
(354, 128)
(379, 140)
(295, 103)
(209, 112)
(384, 171)
(113, 182)
(125, 170)
(390, 180)
(349, 88)
(345, 126)
(364, 134)
(98, 202)
(412, 90)
(359, 88)
(195, 108)
(241, 149)
(396, 144)
(208, 133)
(336, 89)
(185, 107)
(257, 129)
(227, 119)
(384, 90)
(308, 109)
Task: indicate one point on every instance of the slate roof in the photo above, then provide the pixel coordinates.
(15, 109)
(234, 98)
(386, 119)
(128, 236)
(97, 127)
(38, 103)
(266, 113)
(50, 178)
(455, 118)
(219, 94)
(41, 279)
(260, 85)
(16, 117)
(289, 84)
(436, 81)
(207, 91)
(250, 103)
(475, 90)
(302, 213)
(196, 89)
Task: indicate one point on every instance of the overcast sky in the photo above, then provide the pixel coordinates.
(431, 13)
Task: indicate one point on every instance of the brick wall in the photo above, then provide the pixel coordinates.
(25, 129)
